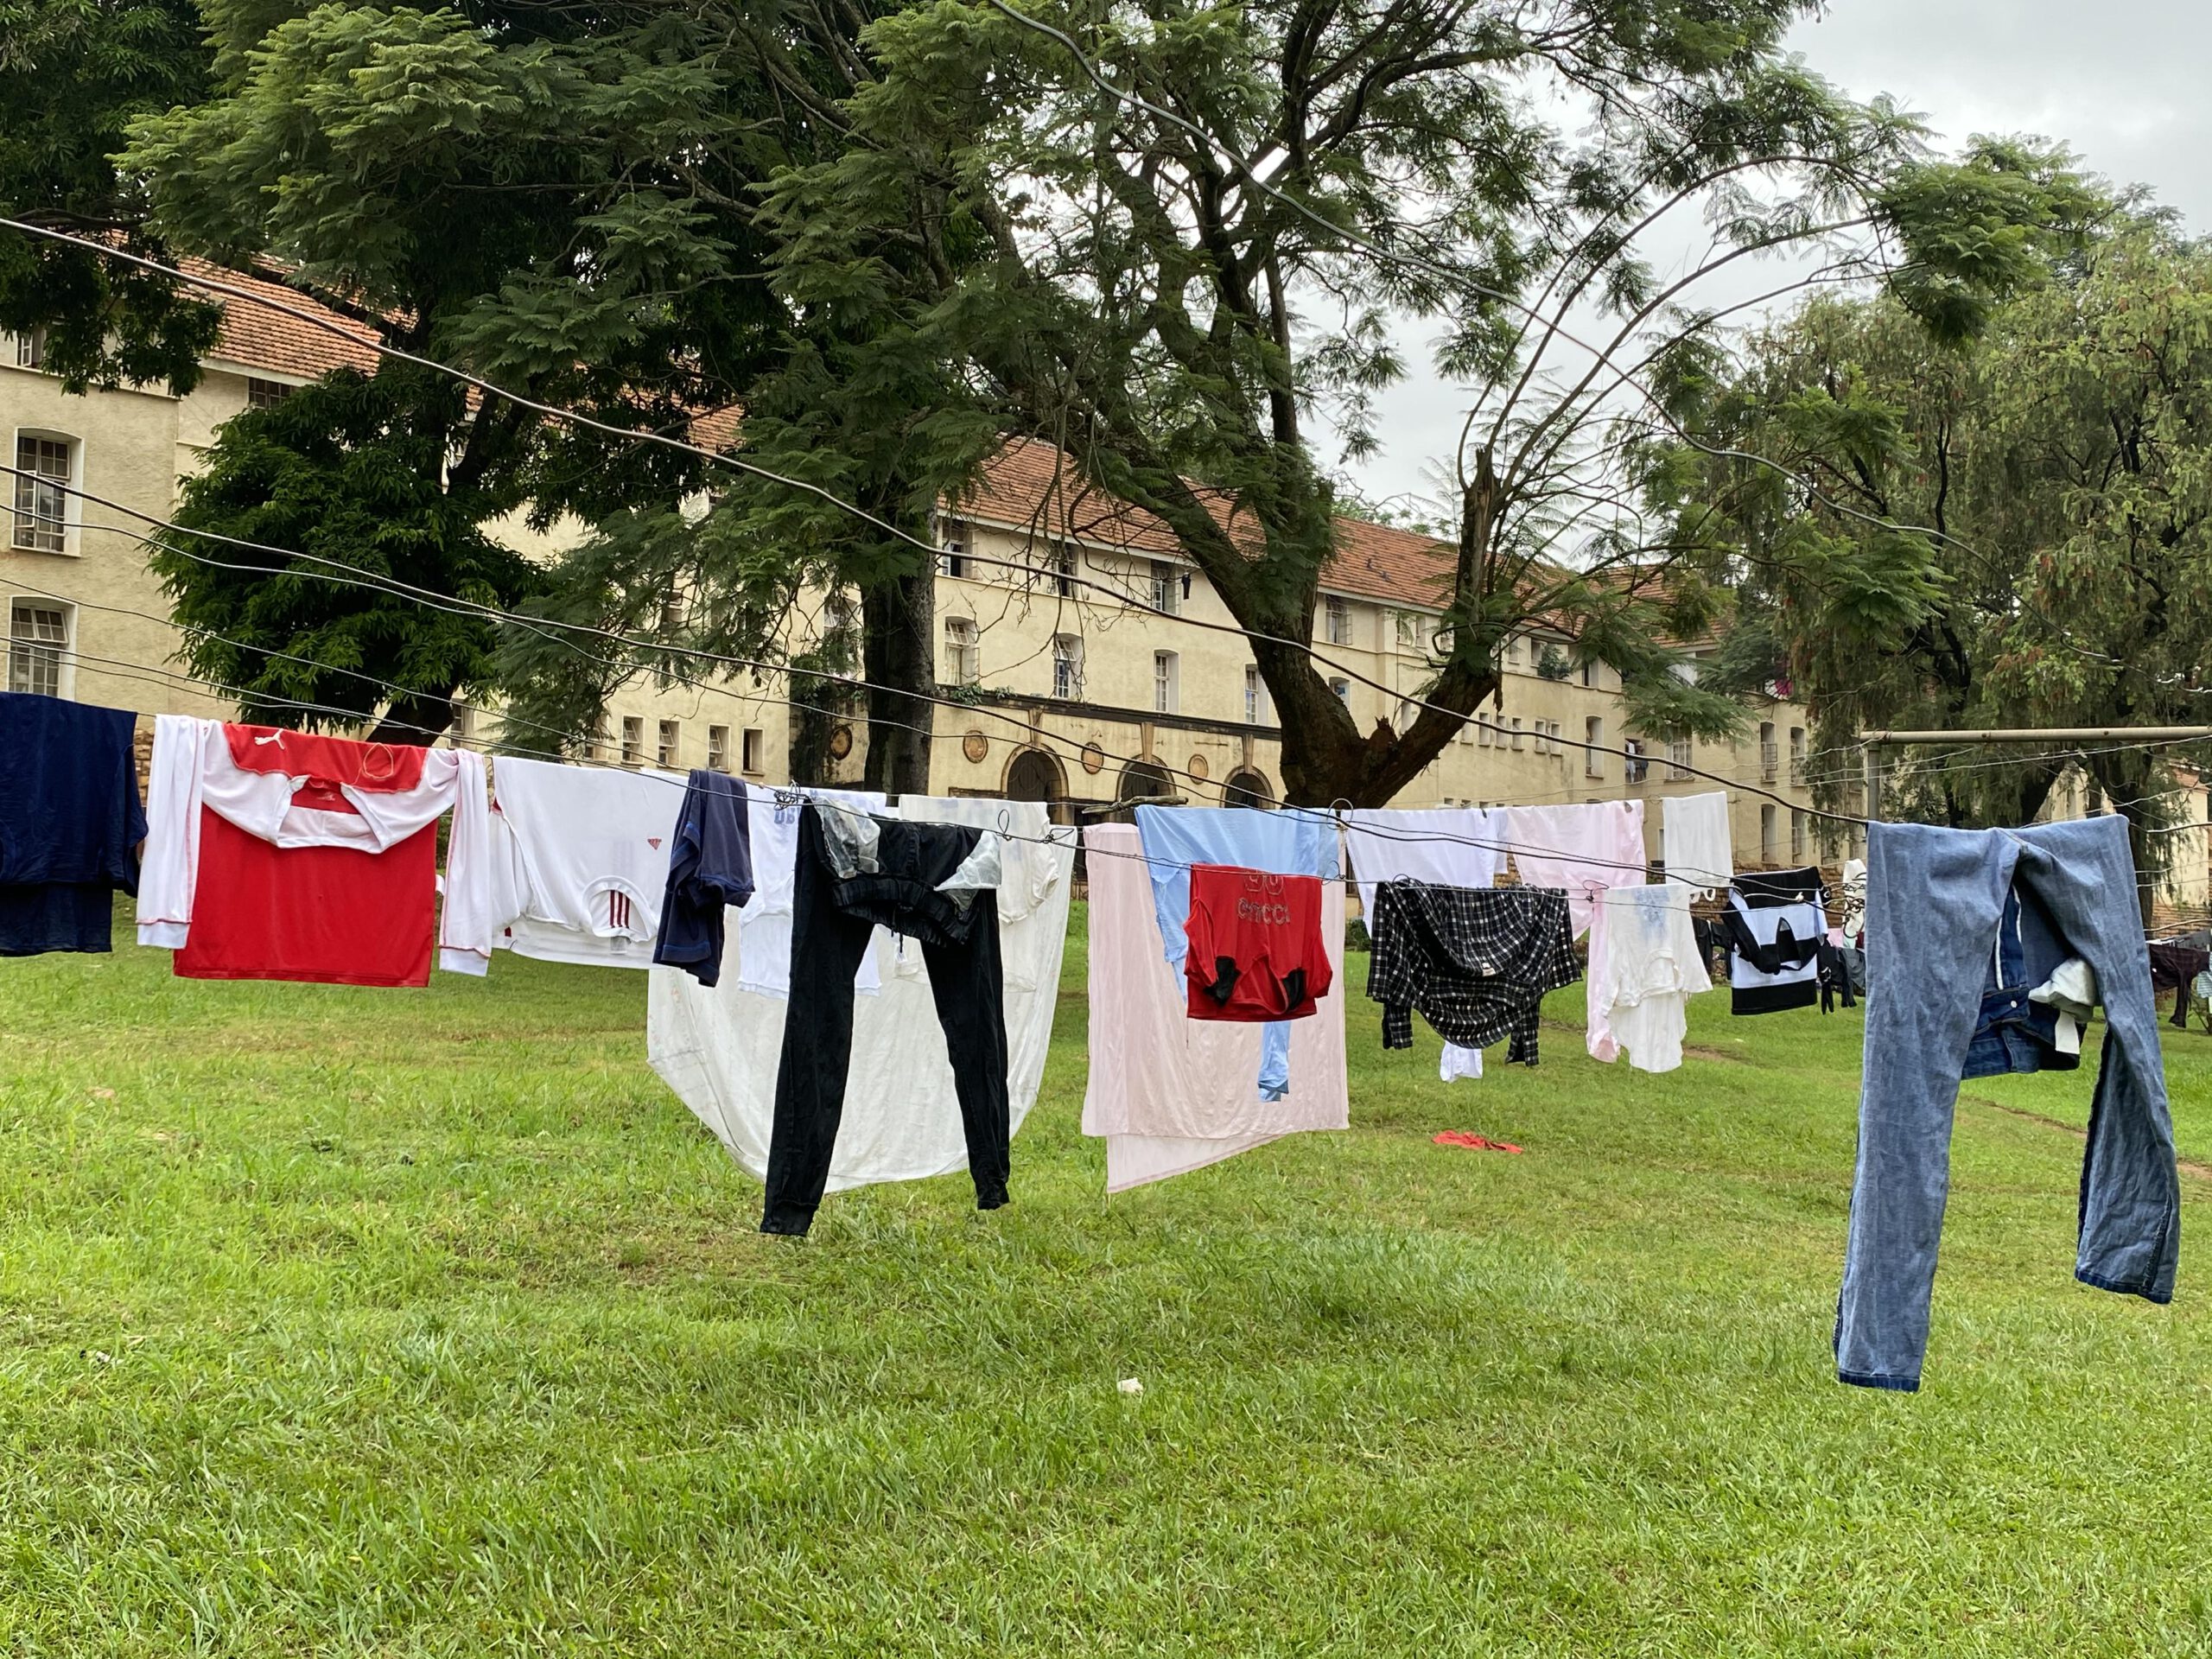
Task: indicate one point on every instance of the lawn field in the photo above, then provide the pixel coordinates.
(337, 1321)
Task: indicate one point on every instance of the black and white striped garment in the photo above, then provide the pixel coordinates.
(1775, 929)
(1476, 961)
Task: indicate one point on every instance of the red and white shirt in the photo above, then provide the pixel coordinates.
(277, 855)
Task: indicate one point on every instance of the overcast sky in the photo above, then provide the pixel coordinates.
(2123, 82)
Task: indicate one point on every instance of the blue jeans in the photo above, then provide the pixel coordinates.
(1935, 899)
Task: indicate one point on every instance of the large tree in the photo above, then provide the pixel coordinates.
(1171, 267)
(2014, 531)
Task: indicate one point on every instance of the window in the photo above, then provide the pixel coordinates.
(1638, 768)
(1678, 757)
(1067, 666)
(1590, 675)
(30, 349)
(756, 744)
(1516, 731)
(1485, 734)
(38, 635)
(634, 739)
(1407, 713)
(1767, 848)
(1770, 761)
(1166, 586)
(1164, 687)
(953, 560)
(1593, 758)
(1796, 754)
(1796, 837)
(1336, 622)
(665, 751)
(264, 394)
(1056, 568)
(1513, 652)
(964, 651)
(1257, 709)
(1408, 631)
(717, 749)
(1343, 689)
(43, 497)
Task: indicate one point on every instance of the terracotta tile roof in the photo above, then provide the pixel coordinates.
(1025, 485)
(256, 337)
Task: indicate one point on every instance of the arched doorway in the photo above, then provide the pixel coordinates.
(1246, 787)
(1141, 781)
(1036, 775)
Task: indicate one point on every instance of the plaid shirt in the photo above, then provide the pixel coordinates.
(1475, 961)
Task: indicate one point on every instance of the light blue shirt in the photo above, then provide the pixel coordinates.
(1294, 840)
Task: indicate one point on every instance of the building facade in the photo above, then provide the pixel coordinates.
(1088, 663)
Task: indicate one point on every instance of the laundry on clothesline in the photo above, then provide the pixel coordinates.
(580, 859)
(925, 1082)
(286, 855)
(1696, 844)
(1254, 947)
(764, 926)
(1169, 1094)
(1947, 911)
(709, 874)
(70, 823)
(1454, 846)
(1475, 962)
(1775, 929)
(1645, 966)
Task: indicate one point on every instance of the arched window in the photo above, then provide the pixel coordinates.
(1246, 787)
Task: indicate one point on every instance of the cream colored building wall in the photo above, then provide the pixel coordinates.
(129, 447)
(1210, 729)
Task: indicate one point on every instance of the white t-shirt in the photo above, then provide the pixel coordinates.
(580, 862)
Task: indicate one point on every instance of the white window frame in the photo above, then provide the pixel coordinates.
(667, 742)
(753, 756)
(1336, 619)
(1408, 631)
(27, 650)
(1593, 758)
(1257, 709)
(952, 561)
(1166, 586)
(1067, 667)
(717, 749)
(1518, 735)
(634, 739)
(63, 486)
(964, 651)
(1166, 683)
(1343, 689)
(30, 349)
(1678, 759)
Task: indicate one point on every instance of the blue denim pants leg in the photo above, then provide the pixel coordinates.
(1935, 898)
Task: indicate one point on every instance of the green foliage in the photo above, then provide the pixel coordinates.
(74, 74)
(2010, 531)
(343, 471)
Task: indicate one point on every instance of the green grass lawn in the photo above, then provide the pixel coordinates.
(343, 1321)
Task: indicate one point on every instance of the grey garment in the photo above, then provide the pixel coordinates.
(1934, 906)
(852, 842)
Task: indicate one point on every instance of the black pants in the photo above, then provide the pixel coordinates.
(831, 923)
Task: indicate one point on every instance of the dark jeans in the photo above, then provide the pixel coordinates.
(831, 923)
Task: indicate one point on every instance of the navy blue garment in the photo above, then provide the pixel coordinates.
(2012, 1033)
(70, 823)
(709, 868)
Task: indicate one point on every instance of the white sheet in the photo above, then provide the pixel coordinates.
(1170, 1094)
(719, 1049)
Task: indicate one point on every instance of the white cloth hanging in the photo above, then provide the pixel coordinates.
(1582, 850)
(1170, 1094)
(719, 1049)
(1644, 967)
(1695, 841)
(1456, 846)
(580, 859)
(764, 927)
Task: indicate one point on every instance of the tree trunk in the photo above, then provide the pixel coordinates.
(897, 620)
(418, 719)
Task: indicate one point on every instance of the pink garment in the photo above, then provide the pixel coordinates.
(1170, 1094)
(1584, 849)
